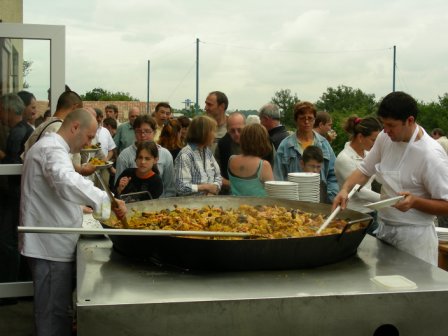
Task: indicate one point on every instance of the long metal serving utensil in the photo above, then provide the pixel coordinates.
(131, 232)
(335, 212)
(113, 202)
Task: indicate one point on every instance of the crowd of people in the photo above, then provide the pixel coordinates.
(211, 154)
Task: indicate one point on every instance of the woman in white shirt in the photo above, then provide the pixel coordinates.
(363, 133)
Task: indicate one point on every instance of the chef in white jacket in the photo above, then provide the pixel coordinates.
(408, 162)
(52, 195)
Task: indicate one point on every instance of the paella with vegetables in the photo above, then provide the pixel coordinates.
(262, 221)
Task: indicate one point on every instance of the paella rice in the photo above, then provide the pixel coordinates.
(260, 221)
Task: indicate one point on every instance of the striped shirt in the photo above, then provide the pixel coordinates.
(194, 166)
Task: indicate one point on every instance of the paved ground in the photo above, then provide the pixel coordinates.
(17, 319)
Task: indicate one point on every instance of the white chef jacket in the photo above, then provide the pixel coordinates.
(423, 173)
(420, 168)
(52, 193)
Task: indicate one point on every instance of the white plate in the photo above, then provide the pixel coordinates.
(384, 203)
(107, 165)
(280, 183)
(303, 174)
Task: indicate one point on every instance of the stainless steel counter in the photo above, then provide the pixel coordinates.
(119, 296)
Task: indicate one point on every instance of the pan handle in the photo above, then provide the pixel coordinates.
(353, 222)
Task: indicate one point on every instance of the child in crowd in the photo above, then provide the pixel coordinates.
(146, 176)
(311, 162)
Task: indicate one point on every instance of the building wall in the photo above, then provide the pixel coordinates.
(123, 106)
(11, 11)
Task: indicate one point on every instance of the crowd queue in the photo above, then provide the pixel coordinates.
(215, 153)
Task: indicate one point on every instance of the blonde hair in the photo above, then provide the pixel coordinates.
(200, 129)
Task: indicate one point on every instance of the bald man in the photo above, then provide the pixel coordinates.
(229, 145)
(52, 195)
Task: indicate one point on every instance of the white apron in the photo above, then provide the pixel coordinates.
(412, 231)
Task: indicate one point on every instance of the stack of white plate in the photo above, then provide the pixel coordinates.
(308, 186)
(282, 189)
(442, 234)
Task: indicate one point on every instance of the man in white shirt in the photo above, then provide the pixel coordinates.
(52, 195)
(439, 135)
(407, 162)
(107, 150)
(161, 117)
(104, 137)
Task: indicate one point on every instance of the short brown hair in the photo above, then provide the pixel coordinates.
(200, 128)
(255, 141)
(322, 117)
(221, 98)
(184, 121)
(312, 153)
(144, 119)
(162, 104)
(112, 107)
(303, 107)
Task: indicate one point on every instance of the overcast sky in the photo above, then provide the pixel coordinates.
(250, 48)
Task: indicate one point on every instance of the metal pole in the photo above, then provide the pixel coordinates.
(197, 77)
(147, 90)
(393, 71)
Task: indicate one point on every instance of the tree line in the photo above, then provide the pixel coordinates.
(344, 101)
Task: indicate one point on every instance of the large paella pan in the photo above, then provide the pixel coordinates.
(254, 253)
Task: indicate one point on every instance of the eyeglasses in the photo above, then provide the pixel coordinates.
(145, 131)
(306, 119)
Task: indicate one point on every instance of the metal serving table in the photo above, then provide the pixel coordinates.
(120, 296)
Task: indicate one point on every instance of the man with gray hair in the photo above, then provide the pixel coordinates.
(270, 118)
(20, 130)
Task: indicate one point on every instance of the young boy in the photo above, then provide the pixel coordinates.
(311, 162)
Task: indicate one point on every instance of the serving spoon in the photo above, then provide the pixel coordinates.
(335, 212)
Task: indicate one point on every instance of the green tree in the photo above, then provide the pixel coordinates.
(341, 103)
(285, 101)
(434, 115)
(26, 69)
(345, 98)
(99, 94)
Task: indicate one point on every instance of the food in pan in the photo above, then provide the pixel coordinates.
(97, 162)
(261, 221)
